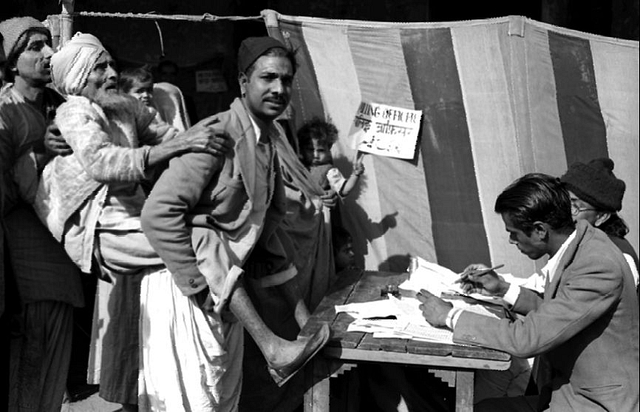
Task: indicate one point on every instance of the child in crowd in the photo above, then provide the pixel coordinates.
(138, 82)
(166, 98)
(343, 254)
(315, 139)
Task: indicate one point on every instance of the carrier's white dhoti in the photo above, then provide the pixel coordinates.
(190, 361)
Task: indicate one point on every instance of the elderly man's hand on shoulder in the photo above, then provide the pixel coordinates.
(203, 137)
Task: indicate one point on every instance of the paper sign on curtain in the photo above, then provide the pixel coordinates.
(386, 130)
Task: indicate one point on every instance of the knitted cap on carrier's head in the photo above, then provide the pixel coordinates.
(595, 183)
(254, 47)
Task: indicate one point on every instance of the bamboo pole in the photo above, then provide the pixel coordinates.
(66, 21)
(271, 21)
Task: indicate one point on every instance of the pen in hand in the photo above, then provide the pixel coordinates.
(476, 272)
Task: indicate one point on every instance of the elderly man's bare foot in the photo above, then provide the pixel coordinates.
(289, 357)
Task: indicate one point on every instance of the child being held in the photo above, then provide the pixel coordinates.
(165, 98)
(315, 139)
(137, 82)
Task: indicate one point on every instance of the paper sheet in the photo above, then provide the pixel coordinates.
(400, 318)
(437, 280)
(378, 308)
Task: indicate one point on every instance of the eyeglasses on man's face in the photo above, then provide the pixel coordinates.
(576, 209)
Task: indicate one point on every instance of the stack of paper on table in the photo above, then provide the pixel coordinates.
(437, 280)
(400, 318)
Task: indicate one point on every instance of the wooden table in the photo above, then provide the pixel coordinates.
(454, 364)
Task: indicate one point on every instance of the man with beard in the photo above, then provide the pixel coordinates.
(46, 281)
(205, 217)
(91, 199)
(588, 312)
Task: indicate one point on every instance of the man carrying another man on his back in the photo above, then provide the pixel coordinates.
(206, 215)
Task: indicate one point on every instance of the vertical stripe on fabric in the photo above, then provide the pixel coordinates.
(336, 77)
(340, 94)
(399, 228)
(562, 96)
(583, 127)
(305, 95)
(458, 227)
(485, 90)
(616, 73)
(538, 129)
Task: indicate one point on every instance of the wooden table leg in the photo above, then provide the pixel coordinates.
(464, 391)
(316, 398)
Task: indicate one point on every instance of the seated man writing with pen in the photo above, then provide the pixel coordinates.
(588, 311)
(489, 383)
(596, 196)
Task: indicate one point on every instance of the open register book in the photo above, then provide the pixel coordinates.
(438, 280)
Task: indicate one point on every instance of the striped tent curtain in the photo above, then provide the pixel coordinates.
(500, 98)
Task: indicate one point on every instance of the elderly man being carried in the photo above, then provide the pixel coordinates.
(91, 200)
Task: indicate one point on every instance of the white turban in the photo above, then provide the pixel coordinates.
(72, 64)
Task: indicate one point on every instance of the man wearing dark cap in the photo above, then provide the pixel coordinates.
(48, 283)
(205, 216)
(596, 196)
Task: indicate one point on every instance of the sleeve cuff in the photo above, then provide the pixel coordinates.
(512, 294)
(452, 317)
(230, 282)
(145, 158)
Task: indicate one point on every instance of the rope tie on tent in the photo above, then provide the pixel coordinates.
(176, 17)
(161, 39)
(207, 17)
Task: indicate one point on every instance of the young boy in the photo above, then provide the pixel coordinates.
(137, 82)
(315, 139)
(343, 253)
(166, 98)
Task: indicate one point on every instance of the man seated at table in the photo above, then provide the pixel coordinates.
(588, 313)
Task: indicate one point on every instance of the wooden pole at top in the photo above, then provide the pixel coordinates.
(66, 21)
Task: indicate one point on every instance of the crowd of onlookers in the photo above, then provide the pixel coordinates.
(104, 175)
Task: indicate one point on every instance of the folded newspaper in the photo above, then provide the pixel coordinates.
(438, 280)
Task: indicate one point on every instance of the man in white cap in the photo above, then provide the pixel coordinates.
(207, 215)
(91, 199)
(48, 283)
